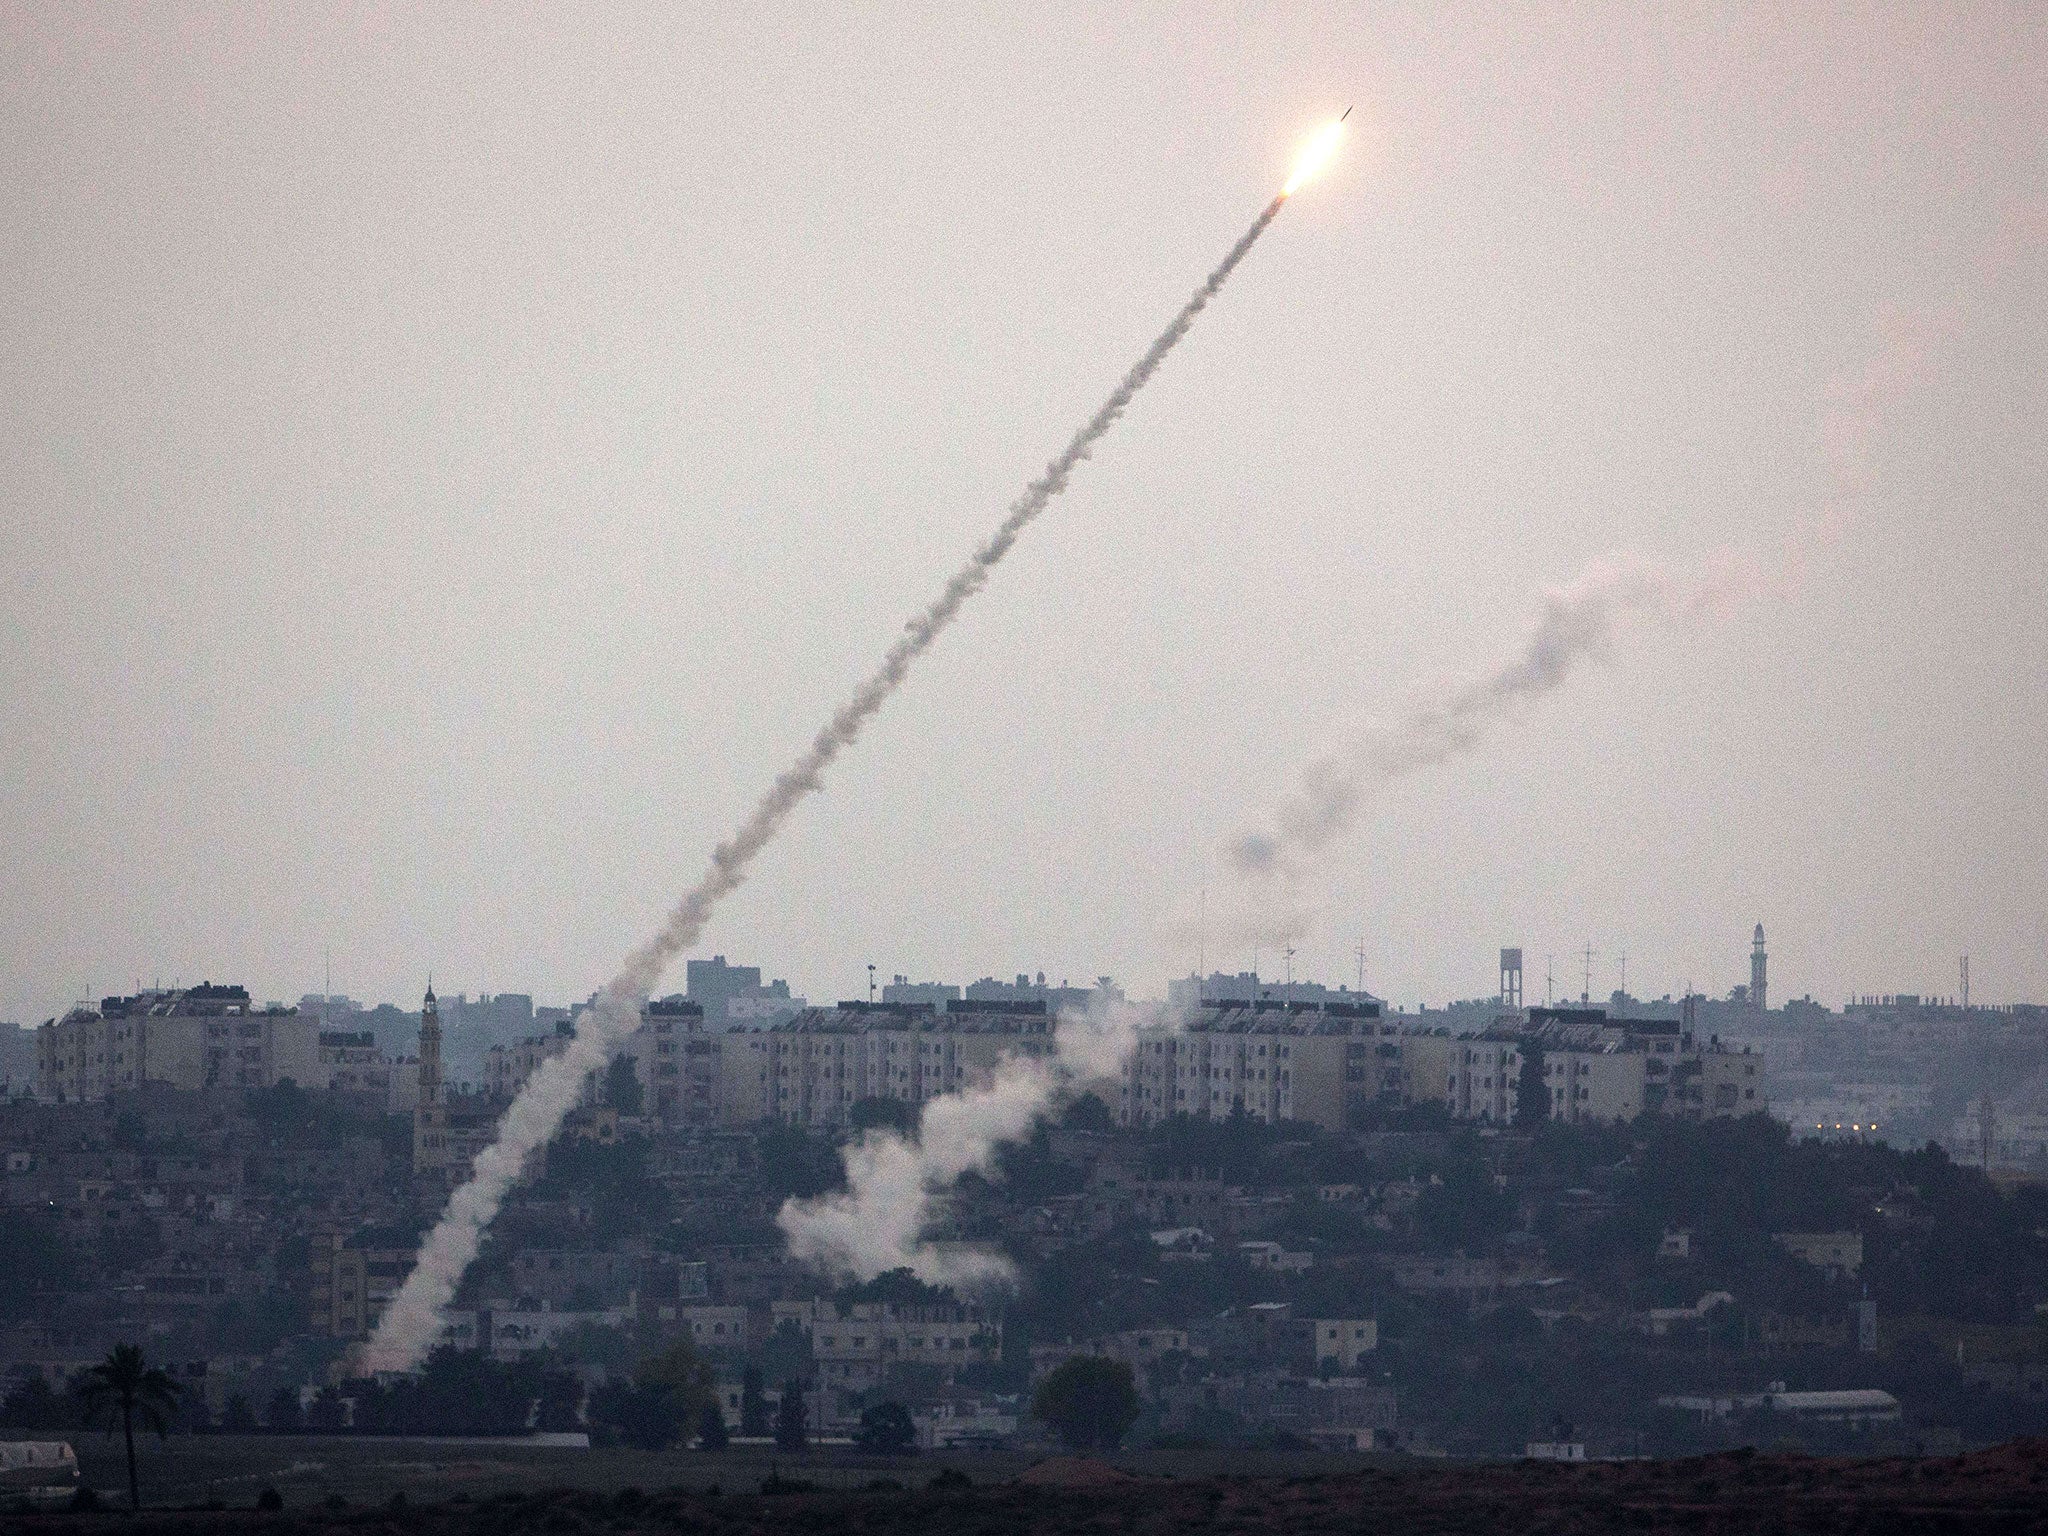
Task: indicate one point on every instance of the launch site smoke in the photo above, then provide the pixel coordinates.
(412, 1323)
(878, 1223)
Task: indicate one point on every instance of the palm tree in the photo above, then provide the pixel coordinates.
(125, 1383)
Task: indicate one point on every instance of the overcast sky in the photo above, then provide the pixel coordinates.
(455, 457)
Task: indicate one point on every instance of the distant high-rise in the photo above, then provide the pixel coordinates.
(733, 995)
(1759, 966)
(1511, 978)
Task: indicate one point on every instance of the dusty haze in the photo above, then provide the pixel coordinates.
(454, 461)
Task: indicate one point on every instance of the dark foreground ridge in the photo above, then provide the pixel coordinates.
(2004, 1489)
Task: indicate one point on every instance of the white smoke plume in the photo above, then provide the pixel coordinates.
(1272, 868)
(878, 1223)
(412, 1323)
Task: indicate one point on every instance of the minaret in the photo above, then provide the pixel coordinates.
(1759, 966)
(430, 1117)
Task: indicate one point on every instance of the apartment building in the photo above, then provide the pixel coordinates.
(1600, 1070)
(354, 1277)
(1326, 1062)
(812, 1069)
(1264, 1059)
(206, 1036)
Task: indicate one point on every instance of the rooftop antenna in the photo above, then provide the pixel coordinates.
(1586, 985)
(1966, 981)
(1624, 973)
(1549, 980)
(1359, 955)
(1290, 973)
(871, 981)
(1202, 940)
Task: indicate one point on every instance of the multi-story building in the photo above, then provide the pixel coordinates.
(1326, 1062)
(354, 1278)
(1267, 1060)
(1475, 1078)
(351, 1063)
(197, 1037)
(1598, 1069)
(677, 1063)
(734, 997)
(815, 1068)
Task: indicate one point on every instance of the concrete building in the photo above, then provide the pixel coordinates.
(1839, 1253)
(1189, 993)
(206, 1036)
(351, 1063)
(817, 1066)
(1474, 1078)
(354, 1277)
(1270, 1061)
(1327, 1062)
(733, 996)
(1600, 1070)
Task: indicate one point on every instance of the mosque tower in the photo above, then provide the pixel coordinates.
(430, 1116)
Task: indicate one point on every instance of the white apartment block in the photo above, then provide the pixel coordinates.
(198, 1037)
(1323, 1063)
(1267, 1060)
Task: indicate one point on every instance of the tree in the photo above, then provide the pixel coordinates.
(753, 1405)
(631, 1413)
(711, 1432)
(792, 1426)
(33, 1404)
(787, 1351)
(1087, 1112)
(622, 1086)
(1532, 1088)
(666, 1398)
(39, 1263)
(328, 1412)
(284, 1411)
(897, 1115)
(561, 1394)
(1090, 1402)
(236, 1417)
(123, 1386)
(886, 1430)
(899, 1288)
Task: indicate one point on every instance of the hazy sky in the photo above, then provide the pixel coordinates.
(455, 457)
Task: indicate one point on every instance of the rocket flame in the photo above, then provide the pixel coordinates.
(1315, 154)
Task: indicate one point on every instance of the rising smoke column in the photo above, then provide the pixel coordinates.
(877, 1223)
(411, 1325)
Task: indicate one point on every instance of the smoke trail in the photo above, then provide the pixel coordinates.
(412, 1322)
(1273, 865)
(878, 1223)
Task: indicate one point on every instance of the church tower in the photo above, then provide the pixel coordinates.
(430, 1116)
(1759, 967)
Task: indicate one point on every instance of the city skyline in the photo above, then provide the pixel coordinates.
(456, 465)
(1546, 979)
